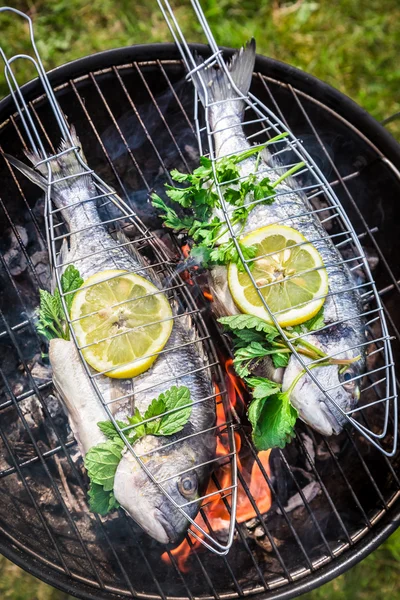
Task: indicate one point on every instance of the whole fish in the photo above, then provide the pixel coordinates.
(346, 337)
(182, 363)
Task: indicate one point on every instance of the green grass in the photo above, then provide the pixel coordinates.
(353, 45)
(377, 577)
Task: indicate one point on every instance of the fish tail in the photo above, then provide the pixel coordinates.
(62, 167)
(214, 85)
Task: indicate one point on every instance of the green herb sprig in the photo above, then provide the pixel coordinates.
(271, 413)
(102, 460)
(201, 199)
(52, 322)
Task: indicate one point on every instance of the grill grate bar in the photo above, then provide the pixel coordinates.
(324, 489)
(129, 151)
(32, 498)
(139, 118)
(53, 484)
(265, 528)
(35, 459)
(307, 505)
(162, 117)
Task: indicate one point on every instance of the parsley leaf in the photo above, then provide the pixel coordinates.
(198, 195)
(273, 419)
(170, 216)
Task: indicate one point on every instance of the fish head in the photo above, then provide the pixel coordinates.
(340, 382)
(173, 468)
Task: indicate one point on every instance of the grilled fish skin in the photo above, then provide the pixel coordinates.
(345, 337)
(182, 363)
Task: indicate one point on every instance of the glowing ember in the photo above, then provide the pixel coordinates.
(251, 480)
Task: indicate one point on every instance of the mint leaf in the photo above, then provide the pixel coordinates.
(102, 461)
(51, 315)
(100, 501)
(244, 357)
(140, 430)
(316, 322)
(50, 307)
(273, 419)
(175, 398)
(70, 281)
(52, 322)
(238, 322)
(157, 407)
(262, 387)
(108, 429)
(280, 359)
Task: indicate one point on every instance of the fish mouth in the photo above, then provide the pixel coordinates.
(167, 533)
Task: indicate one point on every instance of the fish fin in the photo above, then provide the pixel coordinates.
(214, 85)
(61, 167)
(29, 173)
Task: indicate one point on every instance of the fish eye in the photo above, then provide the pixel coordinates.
(348, 382)
(188, 486)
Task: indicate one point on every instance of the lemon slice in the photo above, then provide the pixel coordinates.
(289, 273)
(128, 322)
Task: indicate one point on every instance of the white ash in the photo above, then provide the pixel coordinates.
(310, 491)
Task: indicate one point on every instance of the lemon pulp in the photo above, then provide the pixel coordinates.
(121, 322)
(289, 273)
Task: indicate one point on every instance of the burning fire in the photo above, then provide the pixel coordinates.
(216, 515)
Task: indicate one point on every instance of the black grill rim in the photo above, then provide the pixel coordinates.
(302, 81)
(358, 119)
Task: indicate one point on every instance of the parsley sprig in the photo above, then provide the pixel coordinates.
(102, 460)
(52, 322)
(270, 412)
(200, 199)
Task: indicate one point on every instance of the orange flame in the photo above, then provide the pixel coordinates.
(185, 250)
(216, 514)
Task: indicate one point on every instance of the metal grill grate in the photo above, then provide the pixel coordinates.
(95, 554)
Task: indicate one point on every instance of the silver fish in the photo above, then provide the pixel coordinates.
(346, 337)
(133, 489)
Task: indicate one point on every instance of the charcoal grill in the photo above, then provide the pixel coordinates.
(333, 500)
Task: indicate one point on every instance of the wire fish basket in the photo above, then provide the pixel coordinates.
(376, 383)
(170, 283)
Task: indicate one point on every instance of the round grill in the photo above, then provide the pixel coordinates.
(333, 500)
